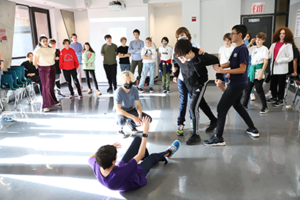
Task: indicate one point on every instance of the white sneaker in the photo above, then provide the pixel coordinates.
(46, 109)
(252, 97)
(58, 104)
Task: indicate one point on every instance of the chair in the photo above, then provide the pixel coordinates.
(7, 84)
(21, 81)
(289, 79)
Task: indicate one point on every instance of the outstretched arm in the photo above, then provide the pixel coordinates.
(142, 150)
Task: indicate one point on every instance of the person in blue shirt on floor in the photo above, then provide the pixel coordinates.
(238, 63)
(135, 49)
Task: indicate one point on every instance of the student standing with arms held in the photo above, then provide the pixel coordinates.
(124, 55)
(109, 52)
(149, 56)
(135, 49)
(130, 173)
(184, 33)
(224, 55)
(78, 50)
(195, 76)
(281, 53)
(52, 44)
(44, 60)
(256, 73)
(68, 63)
(88, 60)
(232, 96)
(165, 66)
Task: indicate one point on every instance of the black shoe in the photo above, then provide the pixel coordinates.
(151, 90)
(272, 100)
(278, 103)
(194, 139)
(215, 141)
(264, 110)
(253, 132)
(109, 89)
(211, 126)
(133, 129)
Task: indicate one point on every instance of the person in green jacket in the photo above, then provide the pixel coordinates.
(88, 61)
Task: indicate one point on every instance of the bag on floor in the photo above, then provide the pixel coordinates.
(147, 80)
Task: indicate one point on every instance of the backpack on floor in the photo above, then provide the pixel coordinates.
(147, 80)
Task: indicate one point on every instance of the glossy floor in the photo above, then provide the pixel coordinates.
(44, 155)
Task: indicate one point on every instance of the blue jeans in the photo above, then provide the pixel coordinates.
(146, 68)
(125, 67)
(226, 80)
(184, 99)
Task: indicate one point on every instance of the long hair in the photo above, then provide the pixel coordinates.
(289, 37)
(90, 48)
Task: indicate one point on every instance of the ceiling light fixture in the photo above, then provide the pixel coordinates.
(166, 4)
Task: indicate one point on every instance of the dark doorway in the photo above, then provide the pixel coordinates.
(256, 24)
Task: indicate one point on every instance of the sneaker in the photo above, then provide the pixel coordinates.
(98, 92)
(211, 126)
(59, 93)
(180, 130)
(89, 91)
(272, 100)
(6, 119)
(46, 109)
(194, 139)
(133, 129)
(71, 96)
(253, 132)
(252, 97)
(141, 90)
(168, 91)
(278, 103)
(165, 90)
(174, 148)
(109, 89)
(151, 90)
(58, 104)
(215, 141)
(80, 97)
(264, 110)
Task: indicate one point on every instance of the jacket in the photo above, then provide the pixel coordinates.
(284, 56)
(88, 60)
(68, 59)
(195, 73)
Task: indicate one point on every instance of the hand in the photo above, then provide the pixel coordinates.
(146, 124)
(276, 62)
(137, 121)
(175, 79)
(141, 117)
(253, 40)
(117, 145)
(227, 75)
(260, 77)
(201, 51)
(294, 74)
(57, 58)
(218, 82)
(216, 66)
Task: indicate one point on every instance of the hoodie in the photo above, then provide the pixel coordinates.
(68, 59)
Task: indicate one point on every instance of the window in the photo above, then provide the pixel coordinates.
(22, 43)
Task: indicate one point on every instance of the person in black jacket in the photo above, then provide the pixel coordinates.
(194, 72)
(31, 72)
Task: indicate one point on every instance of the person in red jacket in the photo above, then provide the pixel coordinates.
(68, 62)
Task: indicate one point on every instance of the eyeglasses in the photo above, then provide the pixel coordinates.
(231, 34)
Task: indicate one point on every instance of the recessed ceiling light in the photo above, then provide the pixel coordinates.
(166, 4)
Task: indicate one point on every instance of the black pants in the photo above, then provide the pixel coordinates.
(57, 81)
(231, 97)
(122, 120)
(197, 101)
(149, 160)
(111, 74)
(259, 89)
(67, 75)
(278, 81)
(37, 79)
(87, 78)
(138, 63)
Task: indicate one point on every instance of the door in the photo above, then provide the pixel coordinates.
(256, 24)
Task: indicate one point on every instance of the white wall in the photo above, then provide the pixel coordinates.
(191, 8)
(100, 28)
(246, 6)
(294, 6)
(167, 21)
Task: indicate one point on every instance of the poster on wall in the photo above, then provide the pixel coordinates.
(297, 27)
(3, 36)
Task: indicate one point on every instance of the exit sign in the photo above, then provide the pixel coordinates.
(257, 7)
